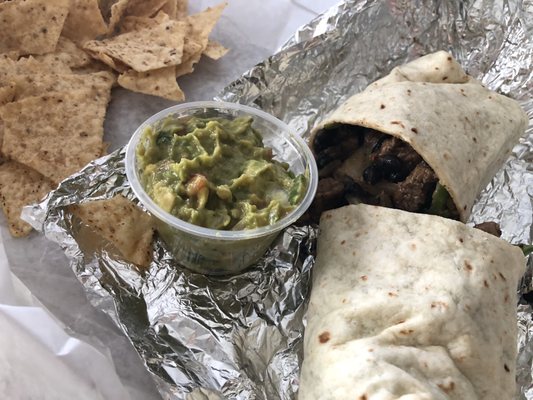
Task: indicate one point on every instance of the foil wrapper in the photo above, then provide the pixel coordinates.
(240, 337)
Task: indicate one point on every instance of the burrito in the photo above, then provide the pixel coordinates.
(425, 138)
(410, 306)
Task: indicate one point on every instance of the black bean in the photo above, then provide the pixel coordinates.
(353, 188)
(396, 176)
(372, 174)
(378, 144)
(323, 140)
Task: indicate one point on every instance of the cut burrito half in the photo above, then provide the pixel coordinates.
(410, 306)
(425, 138)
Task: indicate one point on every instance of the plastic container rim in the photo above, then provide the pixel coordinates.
(297, 141)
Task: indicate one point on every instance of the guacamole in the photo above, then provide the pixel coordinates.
(216, 173)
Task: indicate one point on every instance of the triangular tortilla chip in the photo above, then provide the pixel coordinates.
(31, 26)
(123, 224)
(151, 48)
(7, 93)
(133, 23)
(176, 9)
(20, 186)
(29, 65)
(118, 10)
(182, 8)
(199, 26)
(40, 84)
(215, 50)
(159, 82)
(67, 53)
(56, 134)
(145, 8)
(84, 21)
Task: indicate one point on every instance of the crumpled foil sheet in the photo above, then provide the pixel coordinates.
(240, 337)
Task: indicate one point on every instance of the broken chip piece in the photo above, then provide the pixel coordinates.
(123, 224)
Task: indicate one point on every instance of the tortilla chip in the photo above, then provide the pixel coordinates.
(159, 82)
(7, 93)
(117, 12)
(151, 48)
(176, 9)
(29, 65)
(40, 84)
(57, 133)
(187, 66)
(182, 8)
(123, 224)
(67, 53)
(199, 27)
(145, 8)
(215, 50)
(13, 55)
(31, 26)
(133, 23)
(20, 186)
(84, 21)
(92, 67)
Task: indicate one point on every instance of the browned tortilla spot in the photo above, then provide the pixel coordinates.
(324, 337)
(406, 331)
(447, 388)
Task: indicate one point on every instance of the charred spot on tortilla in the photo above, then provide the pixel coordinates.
(324, 337)
(362, 165)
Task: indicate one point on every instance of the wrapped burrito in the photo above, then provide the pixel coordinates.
(425, 138)
(412, 307)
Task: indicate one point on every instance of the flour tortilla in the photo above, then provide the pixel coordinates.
(410, 306)
(464, 131)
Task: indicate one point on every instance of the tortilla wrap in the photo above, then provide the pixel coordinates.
(461, 129)
(410, 306)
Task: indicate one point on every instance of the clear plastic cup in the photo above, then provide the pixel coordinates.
(217, 252)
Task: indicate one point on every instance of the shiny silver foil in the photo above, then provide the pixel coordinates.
(239, 337)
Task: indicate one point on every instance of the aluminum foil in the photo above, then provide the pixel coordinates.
(240, 337)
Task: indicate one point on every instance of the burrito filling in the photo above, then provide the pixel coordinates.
(362, 165)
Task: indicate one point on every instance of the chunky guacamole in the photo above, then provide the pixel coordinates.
(216, 173)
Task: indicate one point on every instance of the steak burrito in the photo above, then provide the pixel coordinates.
(425, 138)
(412, 307)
